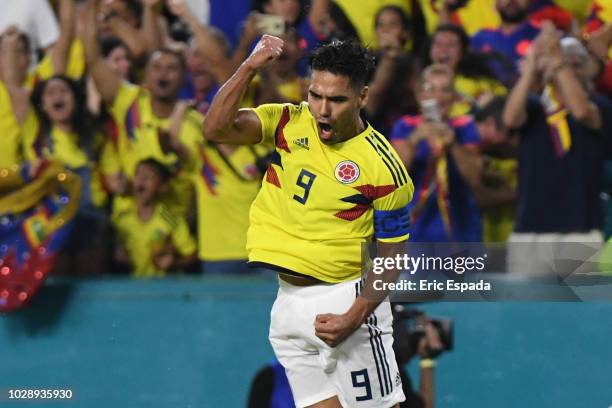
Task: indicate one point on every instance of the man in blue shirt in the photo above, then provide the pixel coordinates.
(564, 137)
(442, 156)
(511, 40)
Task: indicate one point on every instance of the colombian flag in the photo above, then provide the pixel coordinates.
(37, 205)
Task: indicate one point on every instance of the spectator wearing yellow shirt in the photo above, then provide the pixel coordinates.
(14, 63)
(58, 127)
(142, 114)
(15, 51)
(118, 57)
(151, 238)
(474, 79)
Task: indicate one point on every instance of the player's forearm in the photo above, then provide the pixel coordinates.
(375, 289)
(224, 108)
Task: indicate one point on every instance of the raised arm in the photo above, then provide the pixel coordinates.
(61, 49)
(515, 112)
(151, 30)
(206, 42)
(9, 50)
(224, 123)
(107, 82)
(565, 81)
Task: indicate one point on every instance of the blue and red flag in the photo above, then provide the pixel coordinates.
(37, 207)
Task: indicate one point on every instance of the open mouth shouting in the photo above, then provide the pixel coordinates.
(326, 131)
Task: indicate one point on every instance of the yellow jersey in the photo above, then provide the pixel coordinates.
(226, 185)
(10, 142)
(137, 138)
(318, 204)
(52, 143)
(142, 239)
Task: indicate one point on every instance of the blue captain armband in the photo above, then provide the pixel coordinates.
(391, 224)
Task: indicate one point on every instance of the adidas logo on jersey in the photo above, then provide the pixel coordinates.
(302, 142)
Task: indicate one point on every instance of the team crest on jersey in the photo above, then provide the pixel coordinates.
(347, 171)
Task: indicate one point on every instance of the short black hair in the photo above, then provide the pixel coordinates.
(346, 58)
(163, 171)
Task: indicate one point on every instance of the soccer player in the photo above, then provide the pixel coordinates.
(334, 184)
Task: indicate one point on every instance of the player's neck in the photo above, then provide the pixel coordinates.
(360, 126)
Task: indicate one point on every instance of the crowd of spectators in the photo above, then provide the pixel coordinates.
(500, 110)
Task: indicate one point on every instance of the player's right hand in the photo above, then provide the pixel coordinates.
(267, 49)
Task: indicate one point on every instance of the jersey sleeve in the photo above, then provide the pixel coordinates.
(391, 214)
(270, 116)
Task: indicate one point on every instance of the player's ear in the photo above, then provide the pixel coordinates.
(363, 97)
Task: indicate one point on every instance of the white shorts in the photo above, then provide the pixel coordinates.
(361, 371)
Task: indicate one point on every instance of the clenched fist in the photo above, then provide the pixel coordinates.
(267, 49)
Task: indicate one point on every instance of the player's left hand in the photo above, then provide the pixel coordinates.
(333, 329)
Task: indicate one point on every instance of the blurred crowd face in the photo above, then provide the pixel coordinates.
(201, 76)
(119, 61)
(335, 104)
(446, 49)
(390, 30)
(23, 59)
(439, 87)
(164, 75)
(513, 11)
(289, 10)
(148, 184)
(58, 101)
